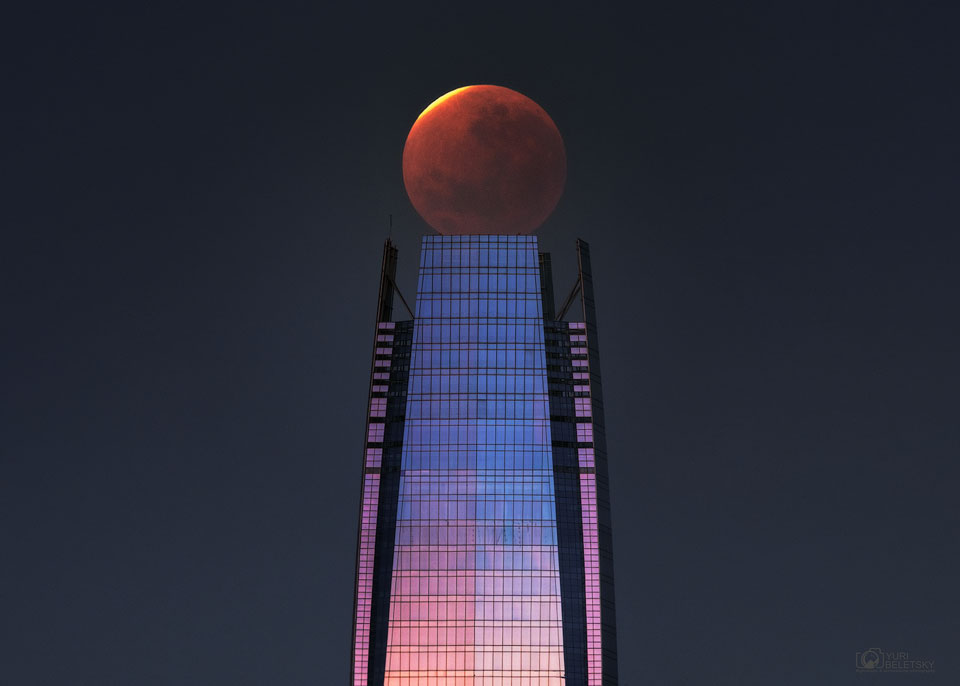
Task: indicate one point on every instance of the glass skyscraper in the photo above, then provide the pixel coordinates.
(485, 553)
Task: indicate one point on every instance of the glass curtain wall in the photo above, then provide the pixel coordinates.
(475, 591)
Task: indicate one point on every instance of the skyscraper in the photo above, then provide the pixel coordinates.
(485, 551)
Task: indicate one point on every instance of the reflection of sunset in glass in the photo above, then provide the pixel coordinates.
(476, 587)
(489, 567)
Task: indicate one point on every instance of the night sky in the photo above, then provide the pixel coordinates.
(195, 201)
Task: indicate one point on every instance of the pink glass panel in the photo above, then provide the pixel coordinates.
(585, 457)
(584, 433)
(368, 532)
(378, 407)
(375, 433)
(591, 563)
(374, 456)
(582, 406)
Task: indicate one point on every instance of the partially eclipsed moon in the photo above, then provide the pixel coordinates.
(484, 160)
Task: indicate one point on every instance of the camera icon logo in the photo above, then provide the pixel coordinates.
(871, 659)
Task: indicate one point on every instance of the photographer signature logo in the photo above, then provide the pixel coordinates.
(877, 660)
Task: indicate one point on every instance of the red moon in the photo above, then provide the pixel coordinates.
(484, 160)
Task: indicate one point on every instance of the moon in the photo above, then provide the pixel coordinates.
(484, 160)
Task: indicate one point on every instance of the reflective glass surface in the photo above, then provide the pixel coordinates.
(475, 591)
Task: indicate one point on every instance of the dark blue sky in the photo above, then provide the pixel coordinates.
(196, 199)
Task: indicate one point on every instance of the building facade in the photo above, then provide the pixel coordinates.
(485, 552)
